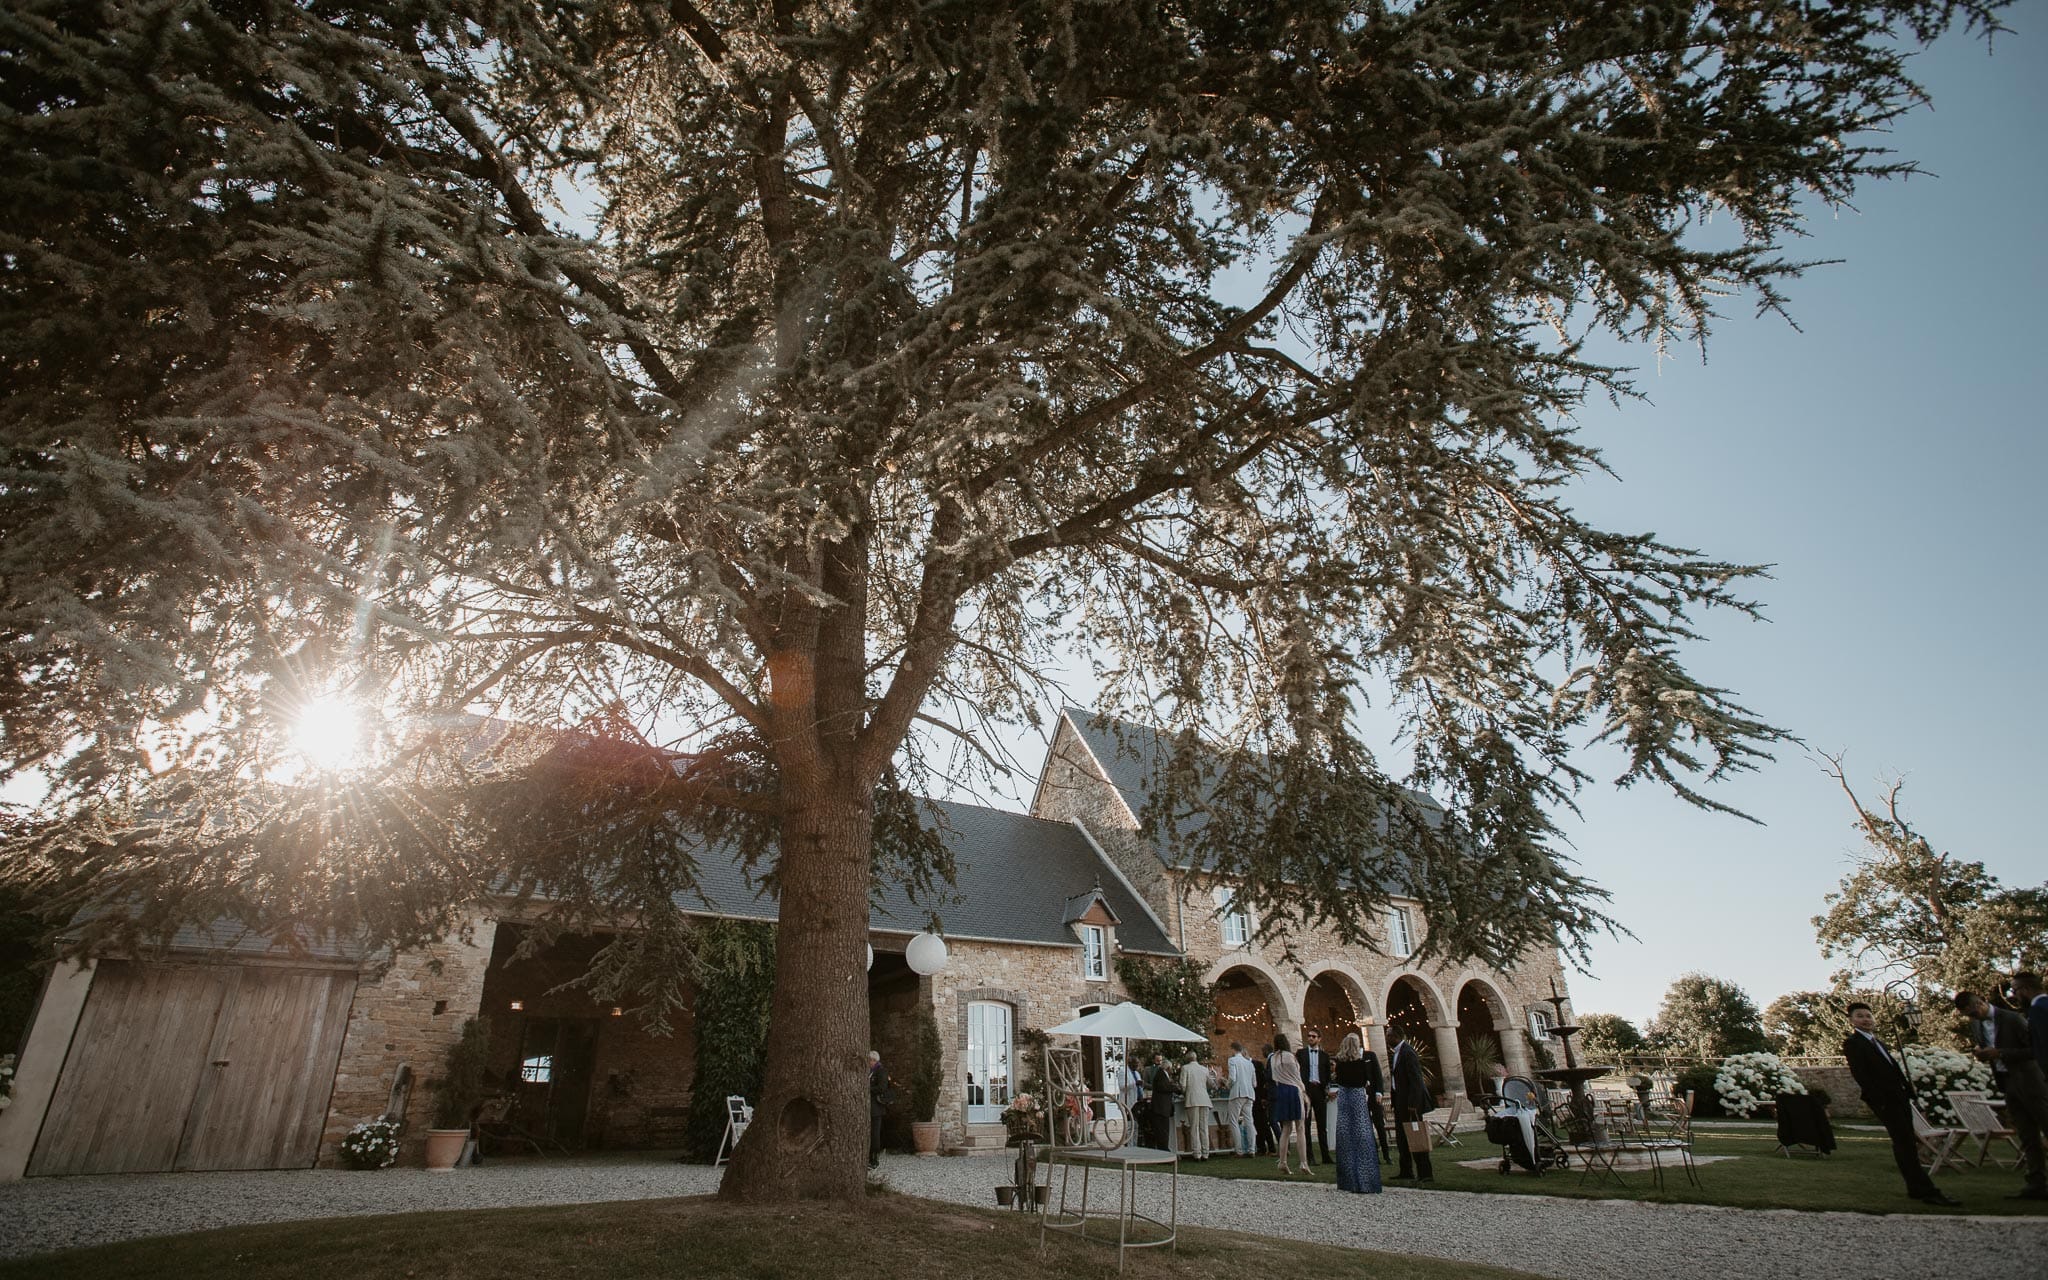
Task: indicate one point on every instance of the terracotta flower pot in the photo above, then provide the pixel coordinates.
(924, 1137)
(444, 1148)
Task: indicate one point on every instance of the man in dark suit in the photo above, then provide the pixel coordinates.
(1315, 1083)
(1160, 1090)
(2002, 1039)
(2026, 988)
(1262, 1102)
(1411, 1098)
(1882, 1078)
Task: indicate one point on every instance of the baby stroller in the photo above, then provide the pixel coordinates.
(1520, 1121)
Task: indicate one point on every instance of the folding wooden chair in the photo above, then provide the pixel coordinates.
(738, 1115)
(1443, 1123)
(1937, 1143)
(1980, 1121)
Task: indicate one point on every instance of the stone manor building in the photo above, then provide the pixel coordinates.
(230, 1052)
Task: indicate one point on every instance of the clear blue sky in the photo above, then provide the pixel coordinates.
(1884, 457)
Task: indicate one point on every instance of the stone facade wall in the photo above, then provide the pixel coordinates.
(1367, 977)
(1072, 788)
(1042, 985)
(409, 1014)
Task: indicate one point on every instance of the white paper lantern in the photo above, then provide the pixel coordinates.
(926, 954)
(871, 957)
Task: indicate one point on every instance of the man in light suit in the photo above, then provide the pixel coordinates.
(1882, 1077)
(1315, 1083)
(2002, 1039)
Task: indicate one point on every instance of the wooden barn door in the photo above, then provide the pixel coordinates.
(196, 1067)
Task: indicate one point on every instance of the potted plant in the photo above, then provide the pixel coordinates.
(924, 1086)
(457, 1094)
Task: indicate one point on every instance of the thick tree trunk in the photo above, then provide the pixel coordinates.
(809, 1138)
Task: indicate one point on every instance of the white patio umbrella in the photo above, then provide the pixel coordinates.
(1130, 1020)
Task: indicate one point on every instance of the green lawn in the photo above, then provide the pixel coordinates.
(1859, 1177)
(887, 1238)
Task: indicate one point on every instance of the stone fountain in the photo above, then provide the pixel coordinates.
(1585, 1119)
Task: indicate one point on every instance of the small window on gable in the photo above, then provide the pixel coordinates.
(1400, 933)
(1539, 1025)
(1235, 921)
(1094, 953)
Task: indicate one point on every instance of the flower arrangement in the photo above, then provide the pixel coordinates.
(1933, 1071)
(6, 1081)
(373, 1144)
(1749, 1080)
(1024, 1116)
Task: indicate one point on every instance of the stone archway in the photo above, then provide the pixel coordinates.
(1250, 1007)
(1485, 1032)
(1336, 1004)
(1416, 1010)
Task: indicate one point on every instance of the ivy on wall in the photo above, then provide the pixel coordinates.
(734, 968)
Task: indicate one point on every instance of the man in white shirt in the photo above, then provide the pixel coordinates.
(1243, 1084)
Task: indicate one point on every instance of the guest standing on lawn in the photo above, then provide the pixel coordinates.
(1262, 1103)
(2026, 988)
(1287, 1100)
(1411, 1098)
(1244, 1086)
(1194, 1092)
(1315, 1092)
(1160, 1091)
(1357, 1077)
(2002, 1039)
(1882, 1078)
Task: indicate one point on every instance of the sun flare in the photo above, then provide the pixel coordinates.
(329, 732)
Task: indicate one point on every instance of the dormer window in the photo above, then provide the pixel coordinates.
(1235, 921)
(1400, 933)
(1094, 953)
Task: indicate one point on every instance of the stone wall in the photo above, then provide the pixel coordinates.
(410, 1013)
(1367, 977)
(1071, 788)
(1042, 985)
(1845, 1100)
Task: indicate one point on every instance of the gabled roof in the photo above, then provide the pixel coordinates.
(1015, 878)
(1082, 904)
(1136, 758)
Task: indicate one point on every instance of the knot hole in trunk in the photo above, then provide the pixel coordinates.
(800, 1126)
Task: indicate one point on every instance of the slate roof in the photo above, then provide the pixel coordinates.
(1014, 878)
(1136, 757)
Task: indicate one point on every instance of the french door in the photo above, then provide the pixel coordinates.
(988, 1061)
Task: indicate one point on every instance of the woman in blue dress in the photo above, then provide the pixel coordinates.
(1357, 1077)
(1287, 1107)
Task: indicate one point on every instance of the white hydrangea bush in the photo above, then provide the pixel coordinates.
(1749, 1080)
(1933, 1071)
(373, 1144)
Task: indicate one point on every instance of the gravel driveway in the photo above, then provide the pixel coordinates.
(1595, 1239)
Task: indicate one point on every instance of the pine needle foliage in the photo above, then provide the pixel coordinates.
(797, 384)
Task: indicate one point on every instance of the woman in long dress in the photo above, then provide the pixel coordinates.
(1287, 1095)
(1357, 1076)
